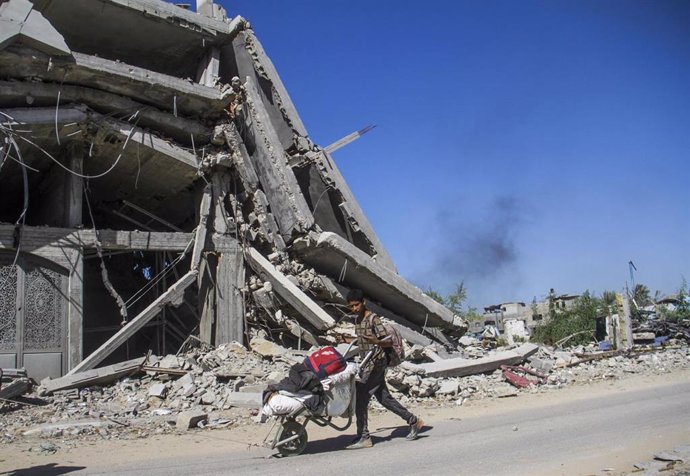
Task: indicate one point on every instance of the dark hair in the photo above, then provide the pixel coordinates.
(355, 295)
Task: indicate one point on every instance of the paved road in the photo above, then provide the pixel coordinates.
(577, 437)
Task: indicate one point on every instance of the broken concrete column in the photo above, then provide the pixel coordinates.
(279, 183)
(230, 278)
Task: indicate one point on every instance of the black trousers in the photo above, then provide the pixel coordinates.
(376, 386)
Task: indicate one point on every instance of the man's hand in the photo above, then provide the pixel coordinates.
(384, 343)
(342, 339)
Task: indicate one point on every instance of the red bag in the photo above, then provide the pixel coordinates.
(324, 362)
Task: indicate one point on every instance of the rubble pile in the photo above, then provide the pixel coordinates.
(207, 381)
(563, 368)
(219, 387)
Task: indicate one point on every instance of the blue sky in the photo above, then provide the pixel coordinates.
(520, 145)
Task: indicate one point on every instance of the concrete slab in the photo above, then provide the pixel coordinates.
(334, 256)
(19, 21)
(143, 12)
(166, 92)
(79, 114)
(14, 94)
(99, 376)
(463, 367)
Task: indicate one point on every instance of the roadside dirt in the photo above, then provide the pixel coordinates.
(214, 442)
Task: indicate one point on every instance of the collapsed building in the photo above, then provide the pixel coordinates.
(147, 198)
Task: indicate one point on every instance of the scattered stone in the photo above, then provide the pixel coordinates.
(48, 448)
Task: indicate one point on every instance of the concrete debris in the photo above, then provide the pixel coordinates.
(190, 419)
(17, 387)
(267, 348)
(99, 376)
(673, 462)
(158, 390)
(224, 384)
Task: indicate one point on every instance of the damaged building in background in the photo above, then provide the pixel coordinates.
(147, 199)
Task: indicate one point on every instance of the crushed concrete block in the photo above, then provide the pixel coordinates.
(253, 388)
(208, 398)
(183, 381)
(416, 352)
(431, 354)
(411, 381)
(503, 391)
(188, 390)
(159, 390)
(563, 358)
(191, 419)
(245, 400)
(466, 341)
(541, 365)
(643, 336)
(449, 387)
(426, 388)
(236, 385)
(266, 348)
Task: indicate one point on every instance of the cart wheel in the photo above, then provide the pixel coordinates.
(296, 446)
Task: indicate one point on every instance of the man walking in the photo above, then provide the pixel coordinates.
(371, 335)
